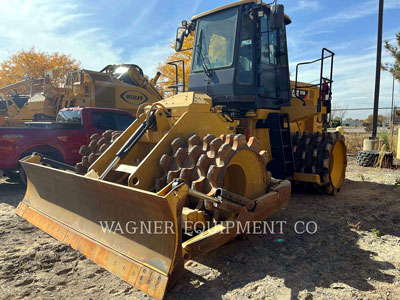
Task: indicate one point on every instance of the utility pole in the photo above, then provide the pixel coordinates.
(378, 70)
(392, 110)
(392, 116)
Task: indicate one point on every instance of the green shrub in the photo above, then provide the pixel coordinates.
(376, 232)
(384, 135)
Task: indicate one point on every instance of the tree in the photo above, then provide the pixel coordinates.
(339, 111)
(395, 52)
(34, 63)
(381, 119)
(168, 72)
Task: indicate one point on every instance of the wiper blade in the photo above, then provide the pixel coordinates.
(203, 59)
(203, 63)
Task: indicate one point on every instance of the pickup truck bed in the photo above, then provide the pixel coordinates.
(60, 140)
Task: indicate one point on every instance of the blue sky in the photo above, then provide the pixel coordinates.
(104, 32)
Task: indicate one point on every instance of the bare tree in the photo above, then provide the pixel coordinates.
(339, 111)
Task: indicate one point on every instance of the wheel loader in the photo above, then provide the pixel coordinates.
(202, 164)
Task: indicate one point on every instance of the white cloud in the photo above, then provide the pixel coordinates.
(54, 26)
(304, 4)
(365, 8)
(354, 82)
(328, 24)
(195, 7)
(149, 57)
(354, 67)
(67, 28)
(146, 11)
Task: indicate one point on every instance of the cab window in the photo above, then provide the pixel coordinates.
(69, 116)
(103, 120)
(273, 43)
(215, 40)
(122, 122)
(245, 62)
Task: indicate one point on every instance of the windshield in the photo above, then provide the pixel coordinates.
(69, 116)
(215, 40)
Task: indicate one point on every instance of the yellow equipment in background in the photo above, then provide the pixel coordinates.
(116, 86)
(15, 109)
(398, 145)
(199, 167)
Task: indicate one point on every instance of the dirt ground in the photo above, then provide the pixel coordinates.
(347, 258)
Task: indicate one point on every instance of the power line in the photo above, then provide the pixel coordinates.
(345, 109)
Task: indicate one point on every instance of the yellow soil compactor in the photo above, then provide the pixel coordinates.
(229, 149)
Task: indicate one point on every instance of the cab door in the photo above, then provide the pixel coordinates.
(273, 69)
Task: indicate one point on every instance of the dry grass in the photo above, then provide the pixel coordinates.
(390, 141)
(354, 142)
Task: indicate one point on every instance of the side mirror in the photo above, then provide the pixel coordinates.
(180, 36)
(278, 15)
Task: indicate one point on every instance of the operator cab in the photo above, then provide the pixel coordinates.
(240, 55)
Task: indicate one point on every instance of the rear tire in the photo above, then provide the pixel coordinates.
(323, 154)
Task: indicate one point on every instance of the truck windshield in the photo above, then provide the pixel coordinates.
(215, 40)
(69, 116)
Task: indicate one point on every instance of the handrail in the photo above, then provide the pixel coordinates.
(322, 79)
(177, 85)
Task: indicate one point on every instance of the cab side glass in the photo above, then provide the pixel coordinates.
(273, 43)
(268, 41)
(245, 61)
(123, 121)
(103, 120)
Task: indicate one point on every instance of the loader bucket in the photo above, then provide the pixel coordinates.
(72, 209)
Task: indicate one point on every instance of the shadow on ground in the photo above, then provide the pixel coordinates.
(11, 190)
(306, 261)
(301, 262)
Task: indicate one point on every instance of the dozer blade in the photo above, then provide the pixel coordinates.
(71, 208)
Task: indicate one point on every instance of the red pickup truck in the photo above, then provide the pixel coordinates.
(58, 140)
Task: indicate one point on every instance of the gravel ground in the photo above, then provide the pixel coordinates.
(345, 259)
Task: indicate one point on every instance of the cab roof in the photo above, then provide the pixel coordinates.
(287, 18)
